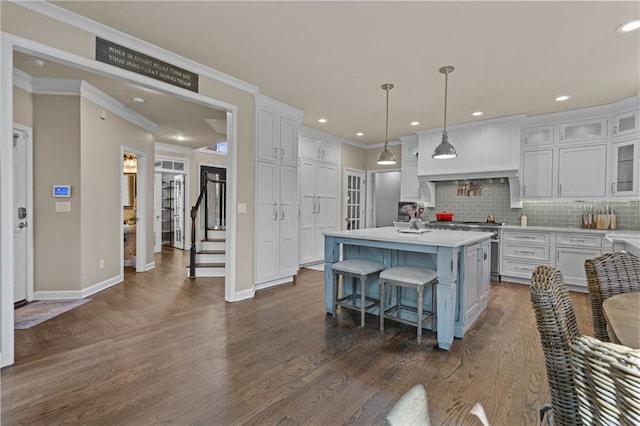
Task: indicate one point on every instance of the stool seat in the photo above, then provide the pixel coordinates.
(361, 269)
(358, 266)
(412, 277)
(409, 274)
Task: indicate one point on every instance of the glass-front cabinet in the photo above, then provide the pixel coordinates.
(626, 123)
(538, 135)
(583, 131)
(624, 167)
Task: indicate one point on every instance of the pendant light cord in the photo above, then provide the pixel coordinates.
(386, 131)
(446, 81)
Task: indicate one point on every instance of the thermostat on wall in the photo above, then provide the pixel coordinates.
(62, 191)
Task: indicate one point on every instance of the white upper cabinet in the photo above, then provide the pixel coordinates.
(409, 186)
(584, 130)
(537, 174)
(535, 136)
(626, 124)
(582, 171)
(410, 152)
(624, 168)
(317, 149)
(278, 138)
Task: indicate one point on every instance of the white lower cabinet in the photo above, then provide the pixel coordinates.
(319, 210)
(523, 251)
(477, 270)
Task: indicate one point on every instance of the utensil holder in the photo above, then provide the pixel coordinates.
(613, 222)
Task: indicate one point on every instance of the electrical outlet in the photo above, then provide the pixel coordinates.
(101, 263)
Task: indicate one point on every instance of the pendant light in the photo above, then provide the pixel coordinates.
(445, 149)
(386, 157)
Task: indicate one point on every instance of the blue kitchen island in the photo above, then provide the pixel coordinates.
(461, 259)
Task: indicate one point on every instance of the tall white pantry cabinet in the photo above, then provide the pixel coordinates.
(319, 193)
(277, 212)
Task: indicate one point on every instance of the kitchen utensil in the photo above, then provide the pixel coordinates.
(491, 219)
(444, 216)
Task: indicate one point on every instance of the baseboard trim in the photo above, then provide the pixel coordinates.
(149, 266)
(243, 295)
(280, 281)
(103, 285)
(57, 295)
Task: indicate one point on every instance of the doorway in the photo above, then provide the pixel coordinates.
(213, 208)
(384, 193)
(354, 199)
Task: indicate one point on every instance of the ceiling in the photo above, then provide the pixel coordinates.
(329, 59)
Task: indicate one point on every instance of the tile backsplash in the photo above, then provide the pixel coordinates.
(495, 200)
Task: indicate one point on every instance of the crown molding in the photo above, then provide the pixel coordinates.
(175, 149)
(73, 87)
(266, 102)
(22, 80)
(93, 27)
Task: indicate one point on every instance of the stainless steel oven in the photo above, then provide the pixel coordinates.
(494, 228)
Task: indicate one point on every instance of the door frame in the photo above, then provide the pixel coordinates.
(345, 181)
(141, 212)
(9, 43)
(29, 205)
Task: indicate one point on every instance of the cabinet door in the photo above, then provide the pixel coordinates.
(330, 153)
(308, 208)
(267, 219)
(288, 143)
(410, 153)
(624, 176)
(410, 190)
(472, 276)
(582, 171)
(586, 130)
(288, 221)
(538, 135)
(309, 148)
(267, 134)
(485, 282)
(570, 261)
(626, 124)
(537, 174)
(327, 214)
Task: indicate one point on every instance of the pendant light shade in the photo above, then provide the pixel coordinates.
(386, 157)
(445, 149)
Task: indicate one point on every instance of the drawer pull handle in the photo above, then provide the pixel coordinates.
(517, 268)
(577, 240)
(526, 237)
(525, 252)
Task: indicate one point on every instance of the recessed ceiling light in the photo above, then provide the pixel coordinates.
(322, 120)
(359, 134)
(562, 98)
(36, 62)
(629, 26)
(415, 123)
(180, 136)
(477, 113)
(138, 100)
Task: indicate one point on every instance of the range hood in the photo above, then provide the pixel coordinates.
(428, 187)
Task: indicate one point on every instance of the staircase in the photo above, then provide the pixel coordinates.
(210, 260)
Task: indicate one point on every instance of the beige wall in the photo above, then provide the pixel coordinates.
(22, 107)
(101, 171)
(56, 160)
(30, 25)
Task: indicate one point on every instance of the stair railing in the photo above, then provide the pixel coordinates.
(194, 217)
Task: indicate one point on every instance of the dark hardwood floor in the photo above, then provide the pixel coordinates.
(160, 349)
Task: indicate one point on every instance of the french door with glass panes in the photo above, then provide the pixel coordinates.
(354, 191)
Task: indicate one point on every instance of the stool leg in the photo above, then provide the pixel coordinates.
(398, 298)
(420, 302)
(381, 305)
(363, 282)
(434, 307)
(336, 296)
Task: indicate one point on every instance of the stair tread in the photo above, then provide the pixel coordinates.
(216, 229)
(214, 240)
(208, 265)
(212, 252)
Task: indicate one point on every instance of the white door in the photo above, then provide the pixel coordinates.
(22, 214)
(308, 209)
(157, 213)
(288, 221)
(267, 221)
(178, 212)
(327, 211)
(354, 191)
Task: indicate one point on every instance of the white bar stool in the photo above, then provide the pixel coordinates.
(354, 268)
(411, 277)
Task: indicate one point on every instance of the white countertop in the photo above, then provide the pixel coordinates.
(630, 239)
(434, 237)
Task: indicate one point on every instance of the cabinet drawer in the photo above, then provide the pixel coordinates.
(579, 240)
(516, 268)
(529, 237)
(527, 252)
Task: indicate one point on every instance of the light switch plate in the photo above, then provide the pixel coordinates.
(63, 206)
(242, 207)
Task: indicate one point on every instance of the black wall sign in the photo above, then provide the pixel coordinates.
(122, 57)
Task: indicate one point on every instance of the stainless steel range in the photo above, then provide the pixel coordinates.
(494, 228)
